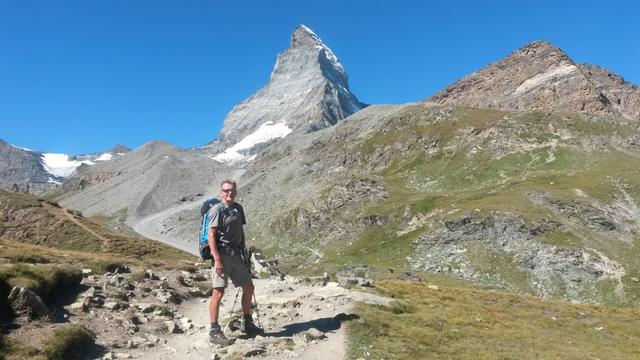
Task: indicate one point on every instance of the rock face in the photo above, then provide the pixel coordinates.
(308, 90)
(541, 76)
(37, 172)
(24, 302)
(20, 169)
(155, 176)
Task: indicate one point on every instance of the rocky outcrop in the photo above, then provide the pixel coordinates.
(27, 304)
(541, 76)
(22, 170)
(37, 172)
(462, 246)
(308, 90)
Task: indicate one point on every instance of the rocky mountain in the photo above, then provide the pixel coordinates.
(307, 90)
(537, 201)
(146, 181)
(61, 274)
(38, 172)
(541, 76)
(21, 169)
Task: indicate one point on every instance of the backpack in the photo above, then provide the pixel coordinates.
(203, 242)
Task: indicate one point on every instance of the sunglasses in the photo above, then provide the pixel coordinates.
(227, 190)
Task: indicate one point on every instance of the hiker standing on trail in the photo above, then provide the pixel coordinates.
(227, 245)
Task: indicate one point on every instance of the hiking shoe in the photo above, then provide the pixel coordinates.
(248, 327)
(216, 336)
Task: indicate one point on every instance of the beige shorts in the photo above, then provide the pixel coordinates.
(234, 268)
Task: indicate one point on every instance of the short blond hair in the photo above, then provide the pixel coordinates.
(230, 182)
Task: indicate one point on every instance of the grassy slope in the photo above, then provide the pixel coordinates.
(456, 323)
(34, 221)
(472, 173)
(43, 249)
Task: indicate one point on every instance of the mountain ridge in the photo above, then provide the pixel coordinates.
(541, 76)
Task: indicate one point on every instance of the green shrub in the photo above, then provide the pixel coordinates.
(104, 266)
(4, 347)
(4, 294)
(69, 342)
(138, 275)
(46, 280)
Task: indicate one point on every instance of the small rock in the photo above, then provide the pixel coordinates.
(87, 272)
(246, 349)
(171, 327)
(138, 340)
(279, 342)
(291, 313)
(108, 356)
(145, 307)
(123, 356)
(292, 303)
(150, 275)
(313, 334)
(112, 305)
(152, 338)
(433, 287)
(185, 324)
(79, 305)
(90, 293)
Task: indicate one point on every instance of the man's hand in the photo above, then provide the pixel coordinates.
(218, 267)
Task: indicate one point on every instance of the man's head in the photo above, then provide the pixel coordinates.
(228, 191)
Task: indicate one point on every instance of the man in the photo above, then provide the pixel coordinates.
(226, 241)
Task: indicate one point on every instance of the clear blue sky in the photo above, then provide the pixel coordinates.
(80, 76)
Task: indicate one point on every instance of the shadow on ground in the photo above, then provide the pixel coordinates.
(323, 324)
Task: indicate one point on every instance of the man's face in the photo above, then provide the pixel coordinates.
(227, 192)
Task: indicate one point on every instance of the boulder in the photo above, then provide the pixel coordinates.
(25, 302)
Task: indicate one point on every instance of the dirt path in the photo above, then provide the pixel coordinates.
(64, 215)
(288, 310)
(149, 226)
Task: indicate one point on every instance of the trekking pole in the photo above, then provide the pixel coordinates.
(257, 312)
(232, 308)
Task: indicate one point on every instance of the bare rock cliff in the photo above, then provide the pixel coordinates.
(541, 76)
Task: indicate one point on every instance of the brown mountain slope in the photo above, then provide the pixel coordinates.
(31, 220)
(541, 76)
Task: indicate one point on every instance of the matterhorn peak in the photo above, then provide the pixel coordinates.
(307, 90)
(303, 36)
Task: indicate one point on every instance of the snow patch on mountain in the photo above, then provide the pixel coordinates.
(266, 132)
(20, 147)
(105, 157)
(60, 165)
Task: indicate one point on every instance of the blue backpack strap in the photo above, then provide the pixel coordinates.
(204, 232)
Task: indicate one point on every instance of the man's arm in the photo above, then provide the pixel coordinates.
(217, 261)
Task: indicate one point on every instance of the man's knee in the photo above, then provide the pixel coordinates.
(248, 287)
(217, 292)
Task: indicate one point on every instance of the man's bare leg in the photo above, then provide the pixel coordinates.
(214, 303)
(247, 296)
